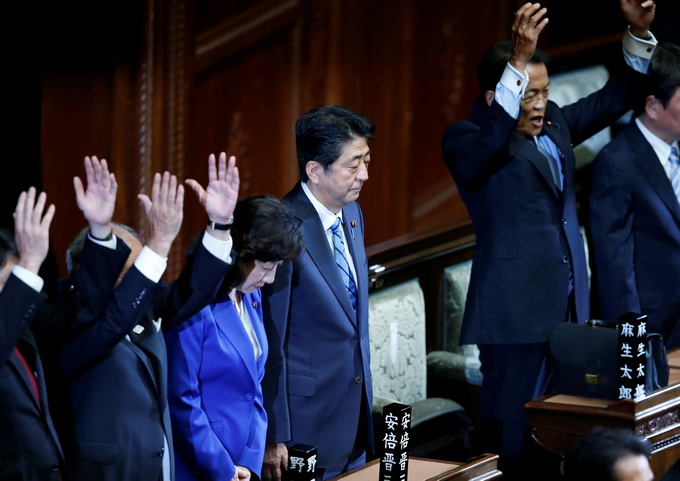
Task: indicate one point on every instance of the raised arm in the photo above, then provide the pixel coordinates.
(201, 277)
(530, 20)
(639, 15)
(98, 200)
(32, 229)
(164, 212)
(20, 299)
(221, 194)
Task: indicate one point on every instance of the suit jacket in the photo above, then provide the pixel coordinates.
(319, 360)
(636, 235)
(214, 391)
(29, 447)
(116, 367)
(527, 231)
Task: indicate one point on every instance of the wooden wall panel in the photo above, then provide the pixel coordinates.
(157, 85)
(240, 110)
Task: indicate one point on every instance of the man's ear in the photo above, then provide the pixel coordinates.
(651, 105)
(489, 96)
(313, 169)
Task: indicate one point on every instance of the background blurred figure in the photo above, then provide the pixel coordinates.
(635, 209)
(610, 455)
(513, 164)
(115, 361)
(317, 383)
(29, 447)
(216, 358)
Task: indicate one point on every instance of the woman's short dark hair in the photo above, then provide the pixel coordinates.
(322, 133)
(265, 230)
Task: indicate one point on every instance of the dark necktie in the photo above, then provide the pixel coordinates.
(343, 265)
(549, 150)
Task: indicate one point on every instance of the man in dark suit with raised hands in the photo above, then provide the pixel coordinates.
(513, 163)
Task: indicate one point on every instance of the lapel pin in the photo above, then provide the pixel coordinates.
(255, 304)
(353, 224)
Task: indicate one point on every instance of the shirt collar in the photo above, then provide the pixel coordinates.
(326, 216)
(662, 149)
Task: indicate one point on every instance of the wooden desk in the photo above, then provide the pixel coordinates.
(481, 468)
(558, 422)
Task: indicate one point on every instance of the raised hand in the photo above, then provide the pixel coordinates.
(98, 201)
(219, 199)
(32, 229)
(639, 15)
(530, 20)
(164, 212)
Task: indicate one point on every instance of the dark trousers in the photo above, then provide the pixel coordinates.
(514, 374)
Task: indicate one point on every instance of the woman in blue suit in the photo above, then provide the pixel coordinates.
(216, 357)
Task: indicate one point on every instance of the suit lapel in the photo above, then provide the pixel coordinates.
(521, 147)
(648, 163)
(318, 248)
(148, 347)
(251, 303)
(230, 325)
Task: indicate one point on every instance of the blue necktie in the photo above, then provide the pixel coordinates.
(343, 265)
(674, 159)
(549, 150)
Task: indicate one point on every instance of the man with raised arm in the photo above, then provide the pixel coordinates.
(115, 360)
(513, 163)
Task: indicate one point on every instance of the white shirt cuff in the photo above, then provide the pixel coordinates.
(28, 278)
(151, 264)
(219, 248)
(510, 90)
(639, 47)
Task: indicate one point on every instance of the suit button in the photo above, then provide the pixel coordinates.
(357, 379)
(564, 221)
(566, 260)
(161, 452)
(55, 467)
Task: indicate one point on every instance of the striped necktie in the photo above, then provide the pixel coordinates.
(549, 150)
(674, 159)
(343, 265)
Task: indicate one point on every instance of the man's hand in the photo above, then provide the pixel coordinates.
(275, 457)
(529, 22)
(99, 200)
(242, 474)
(639, 15)
(32, 229)
(164, 212)
(219, 199)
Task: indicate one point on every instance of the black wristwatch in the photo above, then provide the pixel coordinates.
(218, 226)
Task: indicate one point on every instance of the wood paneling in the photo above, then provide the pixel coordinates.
(158, 85)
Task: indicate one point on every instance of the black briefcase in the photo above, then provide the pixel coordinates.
(585, 356)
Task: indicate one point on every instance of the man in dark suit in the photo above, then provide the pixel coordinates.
(115, 359)
(29, 447)
(317, 383)
(513, 164)
(635, 214)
